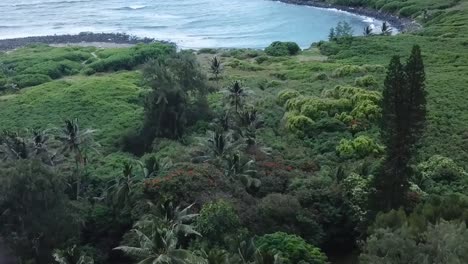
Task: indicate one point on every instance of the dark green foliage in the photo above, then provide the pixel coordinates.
(403, 120)
(178, 88)
(36, 214)
(293, 248)
(55, 69)
(279, 48)
(126, 60)
(342, 32)
(218, 223)
(26, 80)
(444, 242)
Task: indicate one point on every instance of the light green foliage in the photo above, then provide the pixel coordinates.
(299, 123)
(285, 95)
(348, 70)
(107, 104)
(291, 247)
(279, 48)
(359, 147)
(366, 81)
(444, 242)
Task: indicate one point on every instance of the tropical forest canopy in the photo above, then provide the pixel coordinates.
(351, 151)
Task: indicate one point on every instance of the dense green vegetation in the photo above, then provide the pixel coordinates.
(152, 155)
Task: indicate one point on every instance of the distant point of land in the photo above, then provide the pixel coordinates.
(105, 40)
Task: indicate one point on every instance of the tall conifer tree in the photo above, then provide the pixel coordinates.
(403, 121)
(392, 183)
(416, 81)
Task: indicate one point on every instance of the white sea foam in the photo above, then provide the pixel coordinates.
(136, 7)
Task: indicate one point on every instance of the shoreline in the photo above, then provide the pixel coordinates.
(124, 40)
(402, 24)
(83, 39)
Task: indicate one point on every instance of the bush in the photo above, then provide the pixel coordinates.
(299, 123)
(441, 175)
(261, 59)
(27, 80)
(217, 221)
(127, 59)
(55, 69)
(409, 11)
(207, 51)
(444, 242)
(366, 81)
(279, 48)
(279, 209)
(285, 95)
(321, 76)
(291, 247)
(348, 70)
(360, 147)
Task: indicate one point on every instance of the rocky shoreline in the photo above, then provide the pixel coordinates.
(402, 24)
(85, 37)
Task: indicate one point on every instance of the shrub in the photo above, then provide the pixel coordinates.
(366, 81)
(291, 247)
(127, 59)
(207, 51)
(217, 221)
(299, 123)
(279, 48)
(409, 11)
(261, 59)
(360, 147)
(348, 70)
(281, 208)
(285, 95)
(441, 175)
(27, 80)
(444, 242)
(54, 69)
(321, 76)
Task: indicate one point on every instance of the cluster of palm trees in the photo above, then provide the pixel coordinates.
(385, 30)
(158, 235)
(51, 149)
(233, 132)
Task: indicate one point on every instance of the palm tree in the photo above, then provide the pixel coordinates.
(216, 67)
(243, 170)
(250, 121)
(120, 192)
(71, 256)
(386, 29)
(13, 146)
(78, 142)
(218, 146)
(368, 31)
(171, 217)
(153, 166)
(236, 95)
(159, 246)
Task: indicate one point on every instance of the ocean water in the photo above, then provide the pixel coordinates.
(189, 23)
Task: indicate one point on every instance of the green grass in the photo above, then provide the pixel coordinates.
(110, 103)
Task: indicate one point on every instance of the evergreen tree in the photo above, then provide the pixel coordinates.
(416, 78)
(403, 121)
(392, 183)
